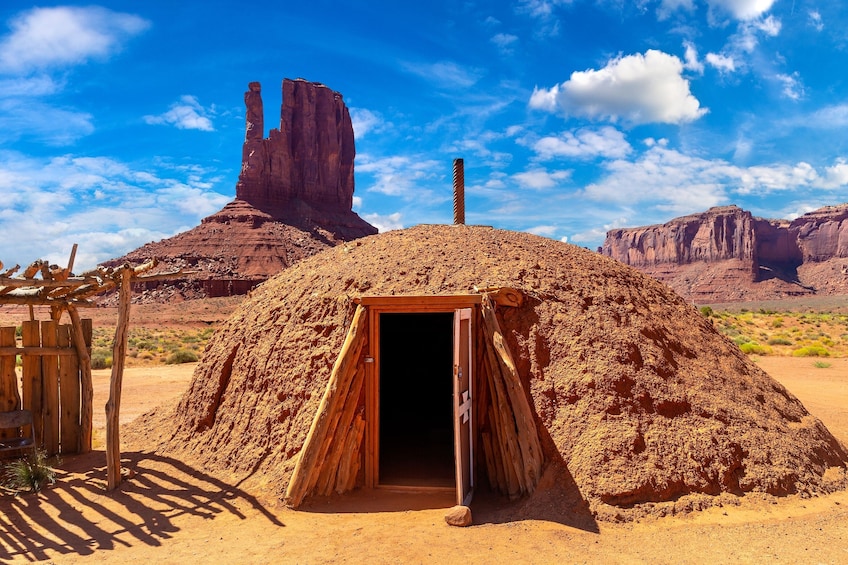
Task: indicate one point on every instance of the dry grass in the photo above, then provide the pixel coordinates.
(784, 333)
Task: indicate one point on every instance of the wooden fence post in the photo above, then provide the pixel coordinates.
(113, 406)
(31, 336)
(50, 391)
(69, 395)
(82, 341)
(9, 397)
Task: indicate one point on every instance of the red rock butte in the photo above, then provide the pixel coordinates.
(294, 197)
(727, 254)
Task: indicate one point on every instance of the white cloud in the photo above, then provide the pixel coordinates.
(743, 9)
(835, 176)
(446, 74)
(792, 87)
(691, 58)
(770, 26)
(829, 117)
(22, 118)
(637, 88)
(585, 143)
(816, 20)
(546, 231)
(185, 114)
(104, 205)
(665, 178)
(724, 63)
(30, 87)
(540, 179)
(544, 14)
(408, 177)
(762, 179)
(365, 121)
(385, 223)
(666, 7)
(504, 41)
(65, 35)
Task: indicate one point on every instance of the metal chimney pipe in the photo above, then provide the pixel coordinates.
(458, 192)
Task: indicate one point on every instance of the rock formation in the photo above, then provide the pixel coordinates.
(727, 254)
(309, 159)
(294, 198)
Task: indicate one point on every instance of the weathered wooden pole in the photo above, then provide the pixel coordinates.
(113, 406)
(86, 383)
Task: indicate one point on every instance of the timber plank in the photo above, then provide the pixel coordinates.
(69, 394)
(31, 380)
(50, 390)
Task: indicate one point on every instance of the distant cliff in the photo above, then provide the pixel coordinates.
(294, 197)
(727, 254)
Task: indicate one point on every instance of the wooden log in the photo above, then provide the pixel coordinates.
(311, 453)
(32, 269)
(69, 269)
(37, 351)
(350, 461)
(113, 405)
(69, 395)
(527, 432)
(82, 330)
(330, 466)
(31, 376)
(10, 399)
(50, 390)
(342, 391)
(503, 295)
(38, 300)
(11, 271)
(504, 429)
(495, 480)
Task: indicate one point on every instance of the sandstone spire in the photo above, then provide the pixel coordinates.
(308, 160)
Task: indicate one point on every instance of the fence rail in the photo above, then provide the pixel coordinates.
(50, 385)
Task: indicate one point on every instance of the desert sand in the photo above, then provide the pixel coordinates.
(168, 512)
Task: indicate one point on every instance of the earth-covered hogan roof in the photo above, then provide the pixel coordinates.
(635, 393)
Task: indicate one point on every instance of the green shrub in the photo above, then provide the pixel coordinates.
(181, 356)
(29, 473)
(101, 360)
(780, 341)
(811, 351)
(752, 347)
(706, 311)
(821, 364)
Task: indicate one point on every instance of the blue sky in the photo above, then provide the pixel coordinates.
(122, 123)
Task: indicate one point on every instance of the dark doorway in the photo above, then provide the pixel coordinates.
(416, 407)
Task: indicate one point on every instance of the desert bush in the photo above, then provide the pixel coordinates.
(821, 364)
(811, 351)
(30, 473)
(780, 341)
(752, 347)
(706, 311)
(100, 359)
(181, 356)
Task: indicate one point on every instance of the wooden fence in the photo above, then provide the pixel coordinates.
(50, 381)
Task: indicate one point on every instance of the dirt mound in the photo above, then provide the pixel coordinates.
(637, 397)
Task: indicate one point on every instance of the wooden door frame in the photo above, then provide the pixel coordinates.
(377, 305)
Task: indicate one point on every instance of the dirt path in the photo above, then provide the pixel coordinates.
(169, 513)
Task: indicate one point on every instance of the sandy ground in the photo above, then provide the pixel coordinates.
(170, 513)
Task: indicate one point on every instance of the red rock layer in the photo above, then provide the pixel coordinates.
(294, 198)
(726, 254)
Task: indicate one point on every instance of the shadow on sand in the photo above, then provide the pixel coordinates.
(71, 517)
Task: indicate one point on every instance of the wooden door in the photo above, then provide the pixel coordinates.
(463, 401)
